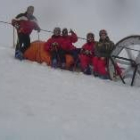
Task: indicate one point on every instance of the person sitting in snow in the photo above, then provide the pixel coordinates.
(53, 46)
(103, 50)
(67, 43)
(24, 23)
(87, 54)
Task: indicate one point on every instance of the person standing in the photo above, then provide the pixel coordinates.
(25, 23)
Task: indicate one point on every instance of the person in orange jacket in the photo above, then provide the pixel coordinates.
(87, 54)
(25, 23)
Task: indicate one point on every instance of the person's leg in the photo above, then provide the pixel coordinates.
(102, 68)
(26, 42)
(84, 63)
(62, 58)
(95, 66)
(19, 42)
(54, 59)
(18, 50)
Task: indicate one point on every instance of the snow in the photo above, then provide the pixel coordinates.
(38, 102)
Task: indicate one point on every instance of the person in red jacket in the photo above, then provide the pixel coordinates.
(67, 43)
(54, 47)
(68, 40)
(87, 54)
(24, 23)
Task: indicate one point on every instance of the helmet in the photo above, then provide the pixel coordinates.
(57, 31)
(103, 31)
(90, 35)
(65, 32)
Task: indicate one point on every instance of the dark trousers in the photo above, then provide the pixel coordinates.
(23, 42)
(59, 55)
(75, 53)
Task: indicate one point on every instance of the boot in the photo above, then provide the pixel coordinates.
(54, 63)
(87, 71)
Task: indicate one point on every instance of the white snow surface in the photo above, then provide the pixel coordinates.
(38, 102)
(41, 103)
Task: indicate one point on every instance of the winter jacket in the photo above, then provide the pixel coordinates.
(88, 49)
(67, 42)
(25, 24)
(104, 48)
(53, 43)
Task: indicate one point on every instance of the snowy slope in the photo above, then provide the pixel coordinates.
(37, 103)
(40, 103)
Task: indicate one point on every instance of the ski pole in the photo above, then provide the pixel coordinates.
(5, 22)
(82, 38)
(46, 31)
(38, 36)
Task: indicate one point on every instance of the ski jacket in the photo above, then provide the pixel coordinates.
(67, 42)
(54, 42)
(88, 49)
(25, 24)
(104, 48)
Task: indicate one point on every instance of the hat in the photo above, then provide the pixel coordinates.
(103, 31)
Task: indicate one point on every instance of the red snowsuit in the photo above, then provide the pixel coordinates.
(67, 42)
(54, 47)
(54, 39)
(86, 55)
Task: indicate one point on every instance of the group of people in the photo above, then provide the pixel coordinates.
(92, 53)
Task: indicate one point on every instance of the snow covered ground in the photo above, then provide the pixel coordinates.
(41, 103)
(38, 102)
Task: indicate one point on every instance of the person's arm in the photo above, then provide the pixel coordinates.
(73, 36)
(36, 26)
(16, 21)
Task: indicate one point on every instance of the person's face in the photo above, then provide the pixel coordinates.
(30, 11)
(103, 36)
(90, 38)
(57, 32)
(64, 32)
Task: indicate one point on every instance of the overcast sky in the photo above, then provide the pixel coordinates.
(119, 17)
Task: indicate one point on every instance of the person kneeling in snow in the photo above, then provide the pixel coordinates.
(103, 50)
(24, 23)
(87, 54)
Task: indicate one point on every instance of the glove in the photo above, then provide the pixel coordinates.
(54, 46)
(15, 24)
(88, 52)
(71, 31)
(38, 29)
